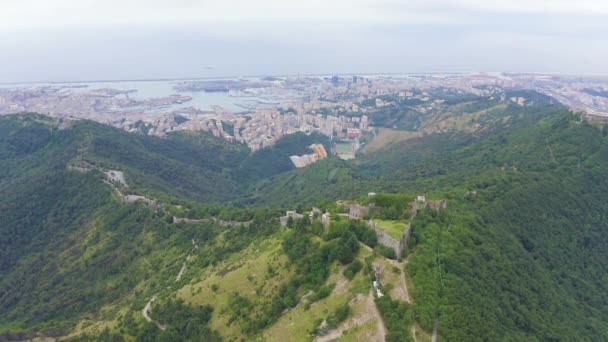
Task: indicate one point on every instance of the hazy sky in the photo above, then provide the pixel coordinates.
(131, 39)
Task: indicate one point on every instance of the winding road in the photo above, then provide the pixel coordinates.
(146, 313)
(147, 309)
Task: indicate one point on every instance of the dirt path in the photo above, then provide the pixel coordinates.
(551, 151)
(360, 319)
(435, 329)
(404, 284)
(369, 313)
(403, 293)
(380, 326)
(146, 313)
(413, 331)
(182, 270)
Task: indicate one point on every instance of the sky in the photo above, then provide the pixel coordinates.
(80, 40)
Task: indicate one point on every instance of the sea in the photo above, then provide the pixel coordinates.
(205, 101)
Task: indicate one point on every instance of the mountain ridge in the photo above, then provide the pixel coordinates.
(503, 260)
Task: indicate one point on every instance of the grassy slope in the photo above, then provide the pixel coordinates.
(246, 273)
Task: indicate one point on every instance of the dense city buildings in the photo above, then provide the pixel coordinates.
(259, 111)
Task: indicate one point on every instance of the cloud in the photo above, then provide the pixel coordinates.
(22, 14)
(42, 14)
(546, 7)
(92, 39)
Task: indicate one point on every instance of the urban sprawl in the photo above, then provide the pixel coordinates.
(272, 107)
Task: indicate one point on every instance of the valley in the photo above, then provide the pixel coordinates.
(303, 171)
(486, 222)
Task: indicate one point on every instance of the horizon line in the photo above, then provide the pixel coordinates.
(166, 79)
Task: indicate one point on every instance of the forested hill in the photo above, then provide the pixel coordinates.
(192, 165)
(520, 249)
(74, 248)
(518, 254)
(511, 136)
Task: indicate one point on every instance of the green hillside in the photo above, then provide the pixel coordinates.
(518, 253)
(518, 244)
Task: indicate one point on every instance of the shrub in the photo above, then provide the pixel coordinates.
(352, 269)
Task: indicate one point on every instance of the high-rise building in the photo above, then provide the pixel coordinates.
(364, 123)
